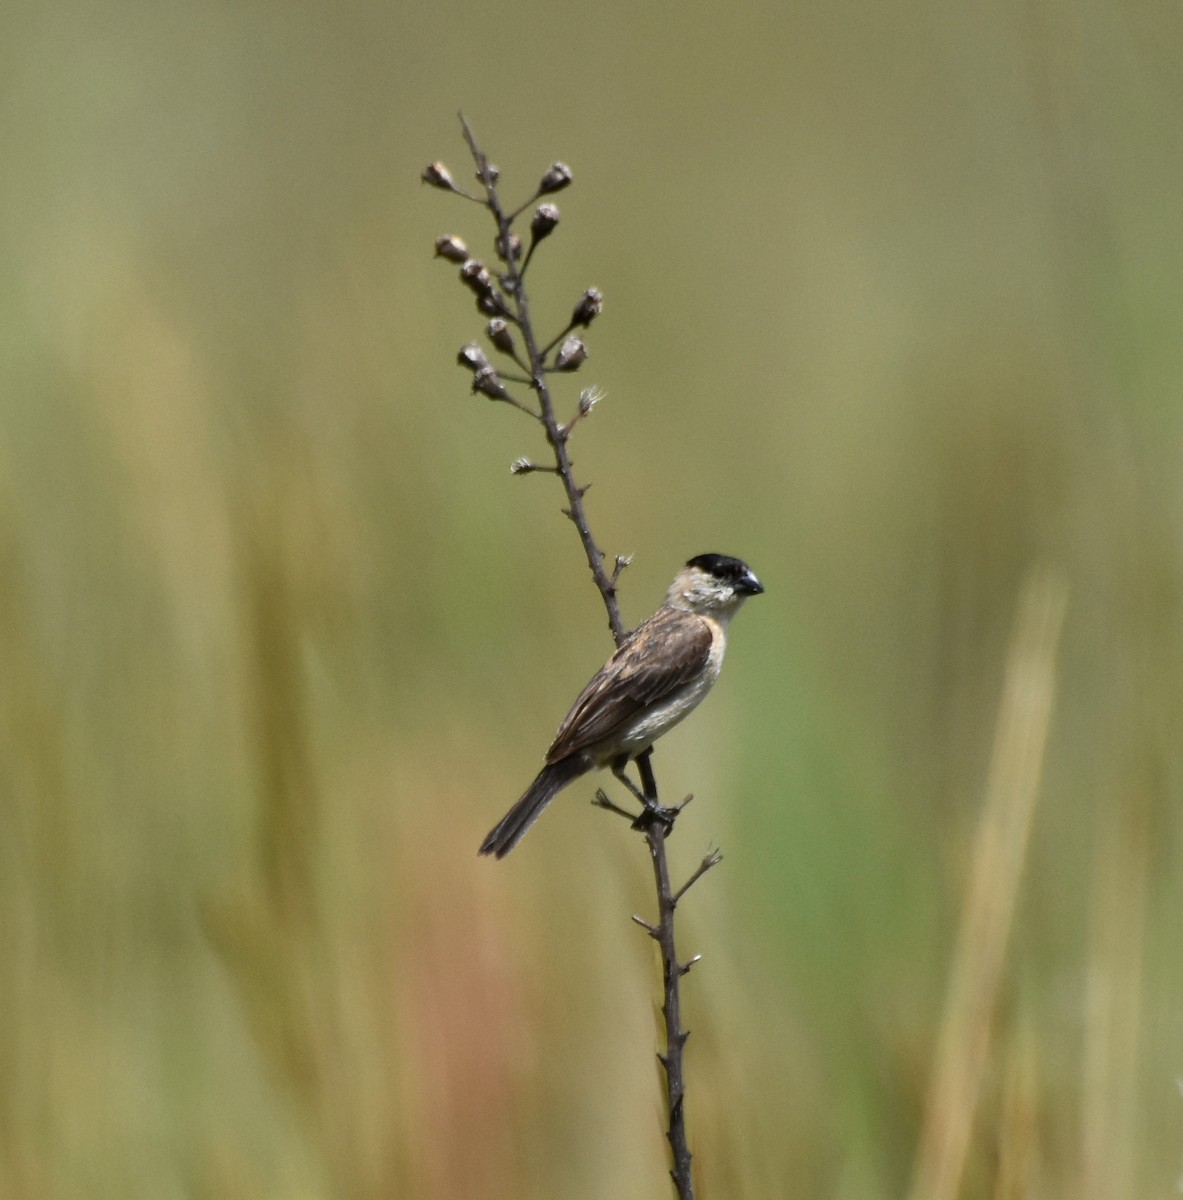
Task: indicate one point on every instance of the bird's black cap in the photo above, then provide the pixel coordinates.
(733, 570)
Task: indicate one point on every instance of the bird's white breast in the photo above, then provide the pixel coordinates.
(662, 717)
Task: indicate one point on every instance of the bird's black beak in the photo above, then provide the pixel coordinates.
(748, 584)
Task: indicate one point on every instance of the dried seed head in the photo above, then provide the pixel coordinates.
(590, 305)
(557, 177)
(588, 399)
(571, 354)
(492, 304)
(515, 248)
(438, 176)
(498, 333)
(546, 217)
(473, 357)
(451, 248)
(488, 383)
(475, 276)
(521, 466)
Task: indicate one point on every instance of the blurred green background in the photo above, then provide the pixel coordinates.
(893, 308)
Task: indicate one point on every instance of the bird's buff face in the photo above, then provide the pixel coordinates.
(713, 584)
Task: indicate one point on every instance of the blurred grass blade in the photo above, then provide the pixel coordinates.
(1113, 1000)
(999, 855)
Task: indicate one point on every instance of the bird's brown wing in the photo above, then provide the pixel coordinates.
(662, 655)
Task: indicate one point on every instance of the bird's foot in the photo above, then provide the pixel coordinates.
(654, 813)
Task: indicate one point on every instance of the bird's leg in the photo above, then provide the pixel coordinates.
(646, 794)
(618, 766)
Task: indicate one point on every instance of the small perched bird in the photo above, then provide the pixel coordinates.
(657, 677)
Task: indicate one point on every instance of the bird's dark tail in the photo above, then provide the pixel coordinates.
(550, 782)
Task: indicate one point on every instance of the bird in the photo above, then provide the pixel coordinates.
(658, 676)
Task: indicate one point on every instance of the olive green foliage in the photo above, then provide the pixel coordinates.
(893, 300)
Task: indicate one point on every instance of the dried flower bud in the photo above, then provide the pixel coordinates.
(521, 466)
(546, 217)
(515, 248)
(451, 248)
(492, 304)
(498, 333)
(588, 399)
(571, 354)
(438, 176)
(473, 357)
(488, 383)
(557, 177)
(590, 305)
(475, 275)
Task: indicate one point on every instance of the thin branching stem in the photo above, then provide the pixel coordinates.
(518, 405)
(672, 971)
(554, 434)
(554, 341)
(521, 208)
(655, 822)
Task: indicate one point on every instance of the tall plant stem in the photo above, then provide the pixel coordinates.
(655, 822)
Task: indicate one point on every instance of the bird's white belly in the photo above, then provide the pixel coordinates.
(661, 718)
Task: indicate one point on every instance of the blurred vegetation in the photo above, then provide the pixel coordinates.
(893, 310)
